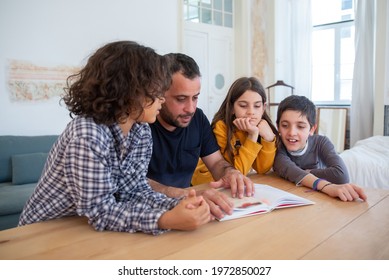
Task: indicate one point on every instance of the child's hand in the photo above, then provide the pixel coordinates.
(189, 214)
(265, 131)
(193, 200)
(246, 124)
(346, 192)
(219, 203)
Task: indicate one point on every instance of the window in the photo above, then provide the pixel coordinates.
(332, 51)
(216, 12)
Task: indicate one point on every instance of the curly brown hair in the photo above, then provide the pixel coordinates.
(116, 81)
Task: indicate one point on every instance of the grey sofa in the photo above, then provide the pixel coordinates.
(21, 163)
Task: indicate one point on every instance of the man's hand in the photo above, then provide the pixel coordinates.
(219, 203)
(235, 180)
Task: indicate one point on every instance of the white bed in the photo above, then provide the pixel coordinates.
(368, 162)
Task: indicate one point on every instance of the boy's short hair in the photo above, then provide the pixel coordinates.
(300, 104)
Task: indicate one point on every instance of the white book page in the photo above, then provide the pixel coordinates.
(265, 199)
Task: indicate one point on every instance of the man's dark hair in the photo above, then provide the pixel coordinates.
(179, 62)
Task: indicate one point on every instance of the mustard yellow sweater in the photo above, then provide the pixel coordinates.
(251, 154)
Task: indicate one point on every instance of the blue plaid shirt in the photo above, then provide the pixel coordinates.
(94, 171)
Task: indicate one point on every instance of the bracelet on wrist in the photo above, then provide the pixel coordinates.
(321, 190)
(317, 181)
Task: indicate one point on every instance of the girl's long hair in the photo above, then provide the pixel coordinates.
(225, 112)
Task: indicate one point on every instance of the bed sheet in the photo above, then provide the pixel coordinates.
(368, 162)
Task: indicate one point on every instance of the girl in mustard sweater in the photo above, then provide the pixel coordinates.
(243, 130)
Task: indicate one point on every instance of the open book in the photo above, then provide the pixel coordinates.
(265, 199)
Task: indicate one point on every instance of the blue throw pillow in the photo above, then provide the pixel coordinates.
(27, 168)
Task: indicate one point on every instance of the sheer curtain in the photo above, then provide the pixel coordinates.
(301, 46)
(362, 104)
(293, 44)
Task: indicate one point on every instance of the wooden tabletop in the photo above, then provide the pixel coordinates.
(330, 229)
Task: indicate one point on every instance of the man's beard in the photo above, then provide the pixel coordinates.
(170, 120)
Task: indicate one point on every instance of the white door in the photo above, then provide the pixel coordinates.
(212, 48)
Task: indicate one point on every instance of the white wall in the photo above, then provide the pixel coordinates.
(63, 33)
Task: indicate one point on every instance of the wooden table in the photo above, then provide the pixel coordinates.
(330, 229)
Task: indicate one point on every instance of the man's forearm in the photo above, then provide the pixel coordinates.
(168, 190)
(221, 169)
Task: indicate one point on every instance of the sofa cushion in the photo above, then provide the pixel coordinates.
(12, 145)
(13, 198)
(9, 221)
(27, 168)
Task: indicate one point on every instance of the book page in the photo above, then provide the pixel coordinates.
(276, 198)
(265, 199)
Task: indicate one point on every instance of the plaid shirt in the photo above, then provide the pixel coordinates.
(94, 171)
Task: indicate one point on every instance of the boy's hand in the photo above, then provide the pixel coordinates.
(193, 200)
(346, 192)
(189, 214)
(218, 202)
